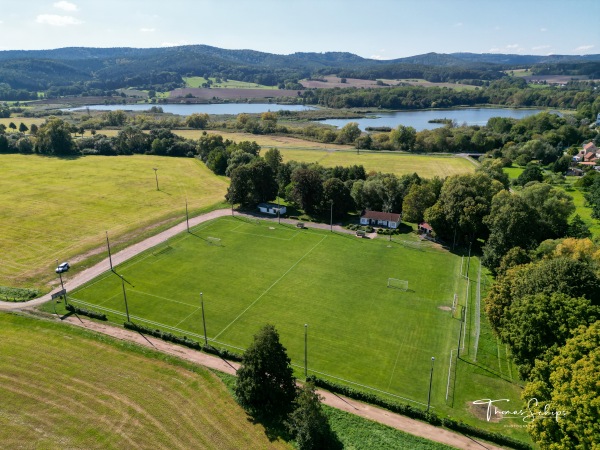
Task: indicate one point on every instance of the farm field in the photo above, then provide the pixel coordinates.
(64, 387)
(197, 82)
(17, 121)
(57, 208)
(585, 212)
(359, 330)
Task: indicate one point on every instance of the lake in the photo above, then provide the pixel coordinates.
(416, 119)
(420, 119)
(212, 108)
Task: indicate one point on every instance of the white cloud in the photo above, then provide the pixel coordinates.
(56, 20)
(65, 6)
(174, 44)
(513, 46)
(458, 24)
(543, 30)
(540, 47)
(583, 48)
(147, 30)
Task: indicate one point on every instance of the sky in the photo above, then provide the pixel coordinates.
(378, 29)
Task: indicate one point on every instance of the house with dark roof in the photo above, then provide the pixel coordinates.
(380, 219)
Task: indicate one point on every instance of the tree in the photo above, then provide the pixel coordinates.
(593, 197)
(334, 190)
(131, 140)
(349, 133)
(12, 126)
(535, 326)
(54, 138)
(265, 384)
(532, 172)
(274, 159)
(578, 228)
(307, 190)
(251, 184)
(403, 138)
(553, 206)
(572, 386)
(236, 159)
(23, 128)
(494, 169)
(556, 275)
(419, 198)
(464, 201)
(308, 423)
(197, 120)
(34, 129)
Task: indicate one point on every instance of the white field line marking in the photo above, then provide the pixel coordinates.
(164, 298)
(109, 298)
(268, 237)
(187, 317)
(394, 370)
(269, 288)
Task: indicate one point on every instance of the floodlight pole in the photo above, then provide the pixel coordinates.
(305, 350)
(62, 284)
(331, 217)
(187, 217)
(469, 259)
(156, 175)
(125, 297)
(278, 210)
(430, 382)
(109, 254)
(203, 320)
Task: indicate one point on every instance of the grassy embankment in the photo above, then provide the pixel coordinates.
(197, 82)
(56, 208)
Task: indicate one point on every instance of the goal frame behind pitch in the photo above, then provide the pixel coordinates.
(395, 283)
(213, 240)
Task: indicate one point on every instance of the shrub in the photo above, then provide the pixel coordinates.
(86, 312)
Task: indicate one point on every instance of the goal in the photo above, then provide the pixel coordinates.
(397, 284)
(213, 240)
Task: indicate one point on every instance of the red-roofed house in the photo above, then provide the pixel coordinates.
(425, 228)
(590, 147)
(382, 219)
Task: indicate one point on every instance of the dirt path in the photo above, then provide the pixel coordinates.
(346, 404)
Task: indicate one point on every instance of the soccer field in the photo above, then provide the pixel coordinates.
(261, 272)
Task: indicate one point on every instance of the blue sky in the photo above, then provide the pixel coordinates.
(381, 29)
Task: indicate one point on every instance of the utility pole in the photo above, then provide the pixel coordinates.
(187, 217)
(203, 320)
(125, 297)
(331, 217)
(305, 350)
(156, 175)
(109, 255)
(430, 381)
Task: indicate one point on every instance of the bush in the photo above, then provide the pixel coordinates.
(415, 413)
(86, 312)
(10, 294)
(164, 335)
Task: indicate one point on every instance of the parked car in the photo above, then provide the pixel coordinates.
(63, 267)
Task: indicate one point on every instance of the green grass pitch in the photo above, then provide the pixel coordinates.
(358, 328)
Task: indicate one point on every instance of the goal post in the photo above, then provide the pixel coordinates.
(395, 283)
(213, 240)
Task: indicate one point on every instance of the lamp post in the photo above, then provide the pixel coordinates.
(331, 216)
(109, 254)
(187, 217)
(203, 320)
(156, 176)
(430, 381)
(125, 297)
(305, 350)
(278, 210)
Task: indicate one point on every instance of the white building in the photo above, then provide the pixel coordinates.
(271, 208)
(380, 219)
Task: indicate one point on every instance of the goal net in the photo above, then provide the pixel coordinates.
(213, 240)
(397, 284)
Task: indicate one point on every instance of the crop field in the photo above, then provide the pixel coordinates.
(57, 208)
(196, 82)
(63, 387)
(330, 82)
(359, 329)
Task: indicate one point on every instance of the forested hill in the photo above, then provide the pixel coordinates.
(79, 70)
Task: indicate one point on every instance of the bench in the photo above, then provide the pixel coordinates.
(300, 225)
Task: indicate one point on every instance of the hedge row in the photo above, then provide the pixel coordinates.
(170, 337)
(415, 413)
(164, 335)
(86, 312)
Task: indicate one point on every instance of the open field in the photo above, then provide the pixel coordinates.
(336, 82)
(63, 387)
(426, 166)
(231, 93)
(358, 329)
(513, 172)
(55, 208)
(196, 82)
(585, 212)
(17, 121)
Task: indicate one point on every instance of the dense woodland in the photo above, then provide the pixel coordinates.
(98, 71)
